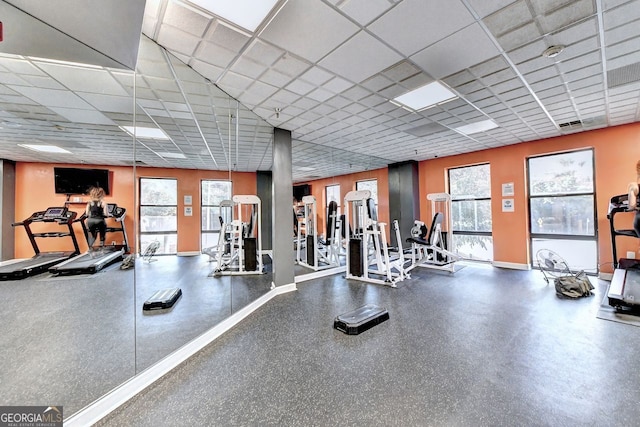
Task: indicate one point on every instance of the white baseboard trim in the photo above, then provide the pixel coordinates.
(189, 253)
(320, 273)
(102, 407)
(511, 265)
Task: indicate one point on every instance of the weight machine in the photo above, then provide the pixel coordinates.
(239, 244)
(430, 248)
(319, 255)
(367, 253)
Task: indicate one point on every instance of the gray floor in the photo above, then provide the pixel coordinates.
(482, 347)
(68, 340)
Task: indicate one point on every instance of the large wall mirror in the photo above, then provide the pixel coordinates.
(70, 338)
(207, 151)
(327, 173)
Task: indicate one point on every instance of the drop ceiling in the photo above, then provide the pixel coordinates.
(326, 70)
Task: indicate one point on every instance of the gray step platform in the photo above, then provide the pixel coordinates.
(361, 319)
(164, 298)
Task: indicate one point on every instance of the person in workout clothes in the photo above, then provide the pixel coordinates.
(96, 213)
(634, 191)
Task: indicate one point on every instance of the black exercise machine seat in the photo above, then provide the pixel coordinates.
(431, 237)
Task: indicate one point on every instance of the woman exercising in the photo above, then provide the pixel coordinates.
(96, 213)
(634, 191)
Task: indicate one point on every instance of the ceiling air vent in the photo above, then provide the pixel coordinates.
(623, 75)
(575, 124)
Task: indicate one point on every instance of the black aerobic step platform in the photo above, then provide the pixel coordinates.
(164, 298)
(361, 319)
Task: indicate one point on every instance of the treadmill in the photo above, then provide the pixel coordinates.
(624, 291)
(95, 260)
(41, 261)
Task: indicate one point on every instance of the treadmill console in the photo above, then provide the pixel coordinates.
(54, 213)
(115, 211)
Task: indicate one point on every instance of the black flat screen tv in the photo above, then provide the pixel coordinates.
(299, 191)
(79, 181)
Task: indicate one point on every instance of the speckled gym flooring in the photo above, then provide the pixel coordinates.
(481, 347)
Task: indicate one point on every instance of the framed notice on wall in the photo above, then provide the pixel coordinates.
(188, 211)
(507, 205)
(507, 189)
(187, 200)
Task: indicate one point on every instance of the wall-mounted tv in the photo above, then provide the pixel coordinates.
(299, 191)
(79, 181)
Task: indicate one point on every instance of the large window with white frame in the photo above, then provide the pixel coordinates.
(371, 185)
(562, 213)
(212, 192)
(159, 214)
(470, 190)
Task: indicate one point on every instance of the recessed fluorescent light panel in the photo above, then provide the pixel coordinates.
(145, 133)
(45, 148)
(426, 96)
(246, 13)
(172, 155)
(477, 127)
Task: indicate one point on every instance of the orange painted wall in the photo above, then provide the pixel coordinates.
(616, 151)
(35, 192)
(348, 183)
(189, 184)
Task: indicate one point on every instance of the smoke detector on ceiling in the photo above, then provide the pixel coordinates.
(553, 51)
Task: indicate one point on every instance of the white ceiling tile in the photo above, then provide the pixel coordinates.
(176, 40)
(316, 76)
(308, 28)
(360, 57)
(364, 11)
(300, 87)
(439, 61)
(337, 85)
(84, 79)
(519, 36)
(263, 53)
(275, 78)
(52, 98)
(83, 116)
(109, 102)
(248, 67)
(571, 12)
(210, 71)
(621, 15)
(190, 19)
(213, 54)
(228, 37)
(236, 81)
(487, 7)
(509, 18)
(291, 66)
(413, 25)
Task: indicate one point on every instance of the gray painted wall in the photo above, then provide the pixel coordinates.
(265, 192)
(404, 197)
(282, 195)
(7, 208)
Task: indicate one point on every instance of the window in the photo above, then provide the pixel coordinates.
(212, 193)
(470, 189)
(159, 214)
(371, 185)
(562, 213)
